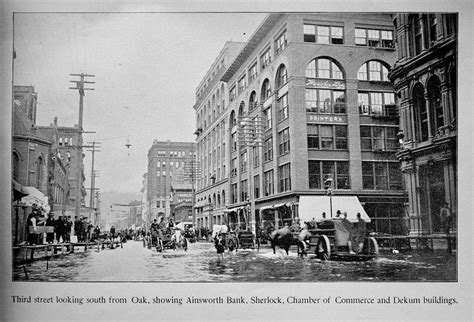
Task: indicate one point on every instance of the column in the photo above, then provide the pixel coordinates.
(353, 134)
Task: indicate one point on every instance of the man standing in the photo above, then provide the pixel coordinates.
(445, 218)
(51, 224)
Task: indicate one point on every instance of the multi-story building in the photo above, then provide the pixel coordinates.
(425, 79)
(38, 174)
(318, 85)
(167, 162)
(211, 169)
(181, 201)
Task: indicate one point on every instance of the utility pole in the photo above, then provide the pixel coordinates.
(250, 135)
(80, 87)
(95, 146)
(193, 171)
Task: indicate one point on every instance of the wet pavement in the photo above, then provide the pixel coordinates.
(134, 262)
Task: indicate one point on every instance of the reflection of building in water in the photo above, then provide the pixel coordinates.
(425, 78)
(319, 84)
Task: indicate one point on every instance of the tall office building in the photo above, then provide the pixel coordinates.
(310, 124)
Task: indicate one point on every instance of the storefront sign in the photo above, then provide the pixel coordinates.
(326, 118)
(327, 84)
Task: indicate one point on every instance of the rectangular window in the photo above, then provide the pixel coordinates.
(243, 162)
(268, 118)
(381, 176)
(325, 101)
(323, 34)
(341, 137)
(284, 182)
(268, 183)
(256, 156)
(283, 108)
(284, 142)
(280, 42)
(265, 59)
(256, 186)
(233, 193)
(314, 171)
(252, 72)
(374, 38)
(326, 137)
(232, 93)
(233, 141)
(233, 168)
(342, 175)
(377, 103)
(268, 150)
(244, 188)
(361, 37)
(242, 84)
(313, 136)
(309, 33)
(365, 138)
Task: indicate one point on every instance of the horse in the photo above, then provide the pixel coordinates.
(284, 238)
(178, 240)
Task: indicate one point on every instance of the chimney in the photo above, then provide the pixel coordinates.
(55, 121)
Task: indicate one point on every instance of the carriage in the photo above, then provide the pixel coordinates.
(332, 239)
(167, 239)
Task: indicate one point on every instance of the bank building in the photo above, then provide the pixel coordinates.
(302, 120)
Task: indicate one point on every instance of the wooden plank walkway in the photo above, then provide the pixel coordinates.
(28, 253)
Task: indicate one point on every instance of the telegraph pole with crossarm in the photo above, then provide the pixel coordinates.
(81, 88)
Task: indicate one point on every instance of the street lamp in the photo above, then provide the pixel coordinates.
(328, 184)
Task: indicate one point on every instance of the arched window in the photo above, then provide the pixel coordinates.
(218, 199)
(321, 98)
(39, 172)
(373, 71)
(435, 104)
(266, 90)
(214, 200)
(232, 119)
(223, 197)
(253, 101)
(324, 68)
(16, 166)
(420, 113)
(281, 76)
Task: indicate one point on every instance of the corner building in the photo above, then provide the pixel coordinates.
(425, 79)
(319, 85)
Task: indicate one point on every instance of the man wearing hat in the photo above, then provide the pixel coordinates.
(50, 222)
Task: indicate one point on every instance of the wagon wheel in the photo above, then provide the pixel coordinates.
(371, 246)
(323, 250)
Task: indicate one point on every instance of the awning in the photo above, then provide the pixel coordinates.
(313, 206)
(233, 209)
(34, 196)
(200, 204)
(272, 206)
(17, 191)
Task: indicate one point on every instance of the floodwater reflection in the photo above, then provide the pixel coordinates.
(133, 262)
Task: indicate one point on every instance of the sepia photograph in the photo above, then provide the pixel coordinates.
(255, 148)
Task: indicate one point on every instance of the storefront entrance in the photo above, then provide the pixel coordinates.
(432, 196)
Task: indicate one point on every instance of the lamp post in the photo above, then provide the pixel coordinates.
(328, 184)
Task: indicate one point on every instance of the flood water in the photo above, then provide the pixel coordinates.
(133, 262)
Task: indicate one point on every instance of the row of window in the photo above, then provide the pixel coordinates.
(375, 175)
(320, 34)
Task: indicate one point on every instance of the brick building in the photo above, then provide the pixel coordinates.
(313, 93)
(425, 79)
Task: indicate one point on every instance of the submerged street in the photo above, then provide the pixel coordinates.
(136, 263)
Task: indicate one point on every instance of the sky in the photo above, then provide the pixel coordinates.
(146, 65)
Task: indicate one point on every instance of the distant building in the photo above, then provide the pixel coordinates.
(167, 162)
(425, 79)
(181, 202)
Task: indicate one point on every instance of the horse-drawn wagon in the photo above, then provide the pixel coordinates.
(334, 239)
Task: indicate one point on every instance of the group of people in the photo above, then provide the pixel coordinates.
(58, 230)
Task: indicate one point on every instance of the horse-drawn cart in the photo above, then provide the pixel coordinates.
(335, 240)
